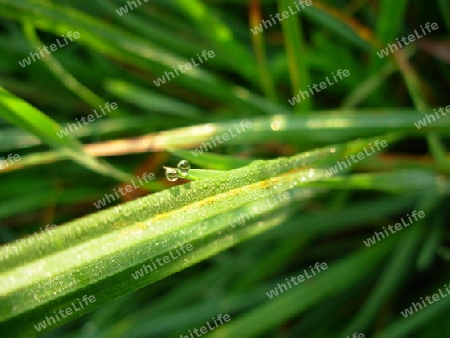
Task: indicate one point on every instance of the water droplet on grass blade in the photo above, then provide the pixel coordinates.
(171, 174)
(184, 166)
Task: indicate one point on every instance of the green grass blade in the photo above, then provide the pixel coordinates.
(67, 79)
(338, 277)
(34, 121)
(139, 231)
(388, 26)
(296, 54)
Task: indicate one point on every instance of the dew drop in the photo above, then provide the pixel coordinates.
(184, 166)
(171, 174)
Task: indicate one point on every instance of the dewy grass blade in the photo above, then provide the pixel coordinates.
(184, 170)
(212, 160)
(136, 232)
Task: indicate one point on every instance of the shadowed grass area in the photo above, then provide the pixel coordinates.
(293, 165)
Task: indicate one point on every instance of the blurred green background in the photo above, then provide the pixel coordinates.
(118, 57)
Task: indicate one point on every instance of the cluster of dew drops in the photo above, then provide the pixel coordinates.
(182, 169)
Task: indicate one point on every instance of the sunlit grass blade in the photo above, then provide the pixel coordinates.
(130, 234)
(221, 36)
(15, 138)
(323, 128)
(138, 231)
(34, 121)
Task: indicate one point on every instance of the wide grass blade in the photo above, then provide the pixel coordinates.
(134, 233)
